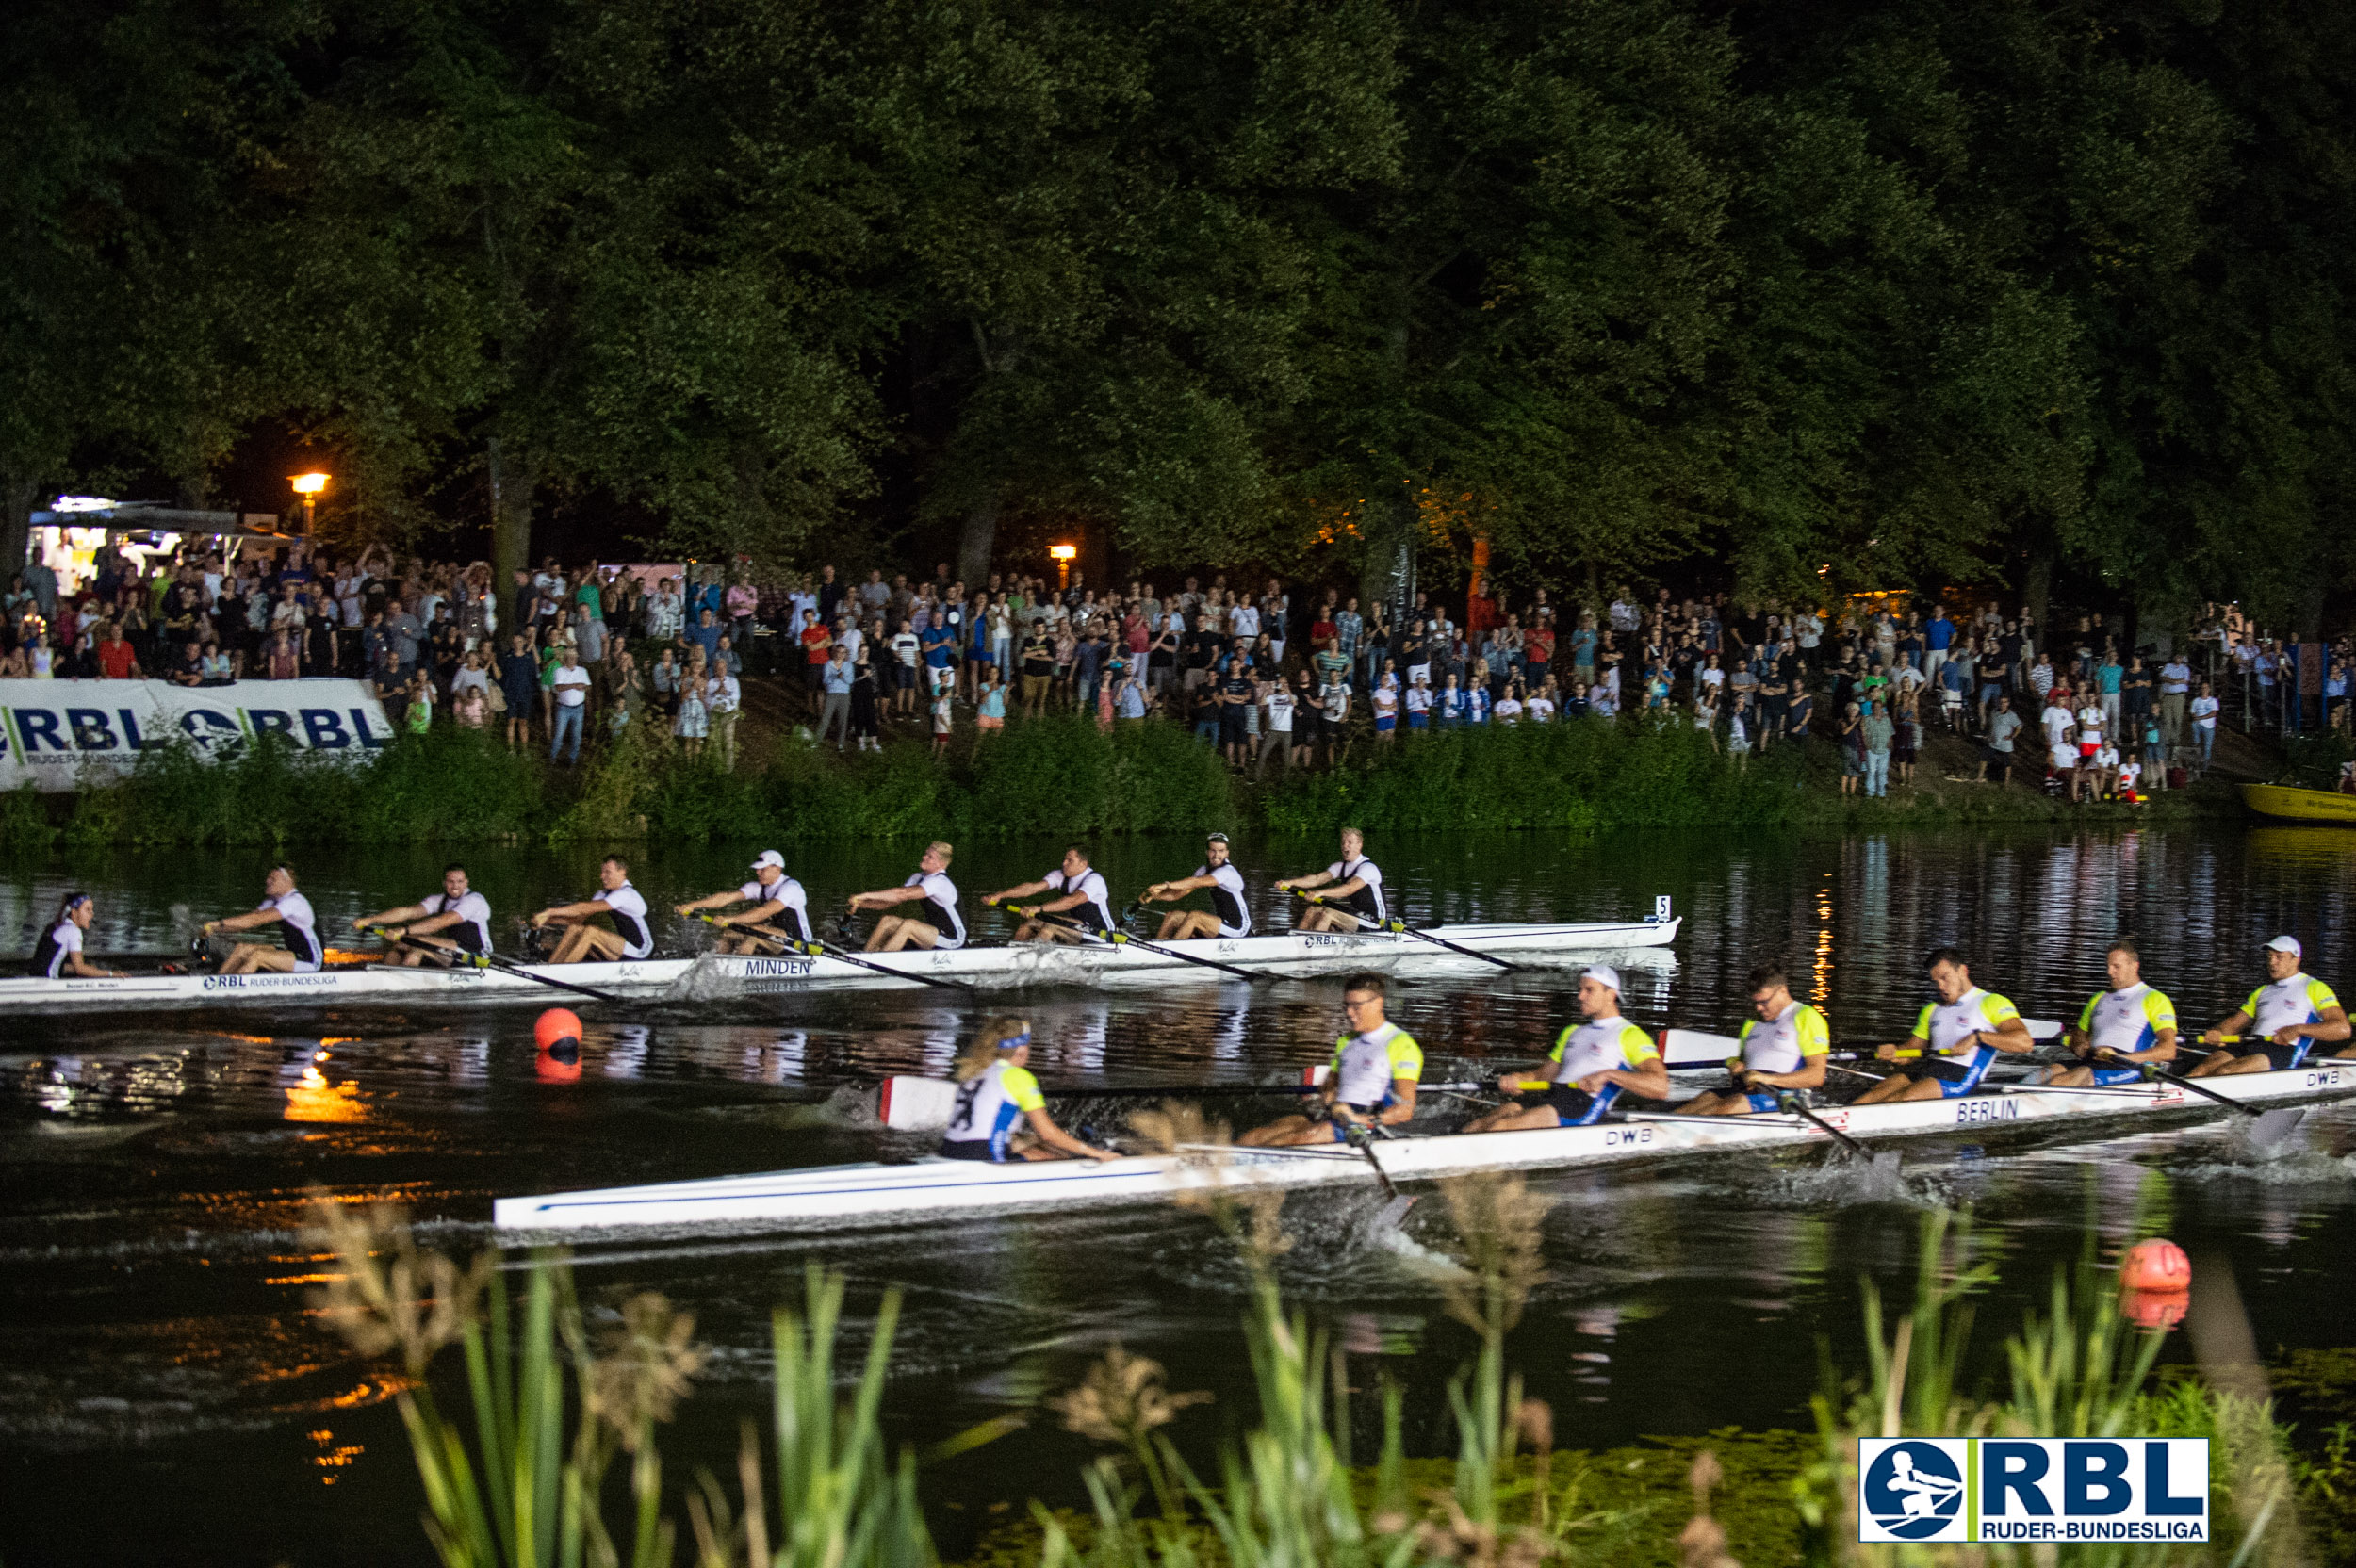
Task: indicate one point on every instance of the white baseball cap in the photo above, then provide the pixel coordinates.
(1602, 974)
(768, 857)
(2286, 944)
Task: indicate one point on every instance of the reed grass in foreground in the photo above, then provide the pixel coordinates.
(523, 1478)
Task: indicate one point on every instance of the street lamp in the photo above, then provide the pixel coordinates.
(1063, 555)
(308, 487)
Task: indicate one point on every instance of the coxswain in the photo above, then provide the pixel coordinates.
(935, 922)
(1592, 1063)
(58, 954)
(1349, 892)
(1000, 1114)
(415, 929)
(1370, 1081)
(2131, 1023)
(776, 915)
(631, 935)
(1081, 900)
(1217, 875)
(1783, 1051)
(282, 906)
(2283, 1020)
(1957, 1037)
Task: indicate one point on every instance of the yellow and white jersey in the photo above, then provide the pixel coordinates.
(1948, 1027)
(2286, 1003)
(1600, 1045)
(1364, 1065)
(2127, 1020)
(1784, 1043)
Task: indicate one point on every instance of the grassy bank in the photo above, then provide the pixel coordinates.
(1052, 776)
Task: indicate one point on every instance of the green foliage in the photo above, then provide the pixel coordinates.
(24, 819)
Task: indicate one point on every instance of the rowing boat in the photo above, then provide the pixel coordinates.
(716, 976)
(931, 1187)
(2295, 805)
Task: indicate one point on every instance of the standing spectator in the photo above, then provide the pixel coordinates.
(569, 687)
(1877, 733)
(942, 705)
(991, 707)
(1276, 730)
(834, 715)
(2203, 710)
(520, 687)
(866, 696)
(2175, 689)
(117, 659)
(724, 701)
(589, 641)
(1852, 742)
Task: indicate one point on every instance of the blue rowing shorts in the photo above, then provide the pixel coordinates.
(1974, 1071)
(1575, 1107)
(1764, 1102)
(2114, 1077)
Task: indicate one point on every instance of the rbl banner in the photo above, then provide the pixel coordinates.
(63, 734)
(2057, 1489)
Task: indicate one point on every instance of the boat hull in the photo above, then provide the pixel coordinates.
(715, 977)
(2285, 803)
(933, 1189)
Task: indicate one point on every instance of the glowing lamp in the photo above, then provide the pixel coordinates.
(1065, 553)
(308, 485)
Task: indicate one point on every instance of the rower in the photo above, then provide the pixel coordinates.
(2283, 1019)
(1591, 1065)
(935, 922)
(631, 937)
(280, 906)
(1370, 1081)
(2130, 1023)
(1000, 1115)
(59, 954)
(1226, 917)
(415, 928)
(1958, 1037)
(771, 899)
(1082, 896)
(1783, 1051)
(1352, 895)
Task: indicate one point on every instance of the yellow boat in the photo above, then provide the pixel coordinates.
(2291, 805)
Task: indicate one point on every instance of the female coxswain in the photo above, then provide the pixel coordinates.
(58, 954)
(1000, 1114)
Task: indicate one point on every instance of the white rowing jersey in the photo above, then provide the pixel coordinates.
(1367, 903)
(792, 904)
(301, 927)
(473, 930)
(1784, 1043)
(1949, 1026)
(2127, 1020)
(990, 1107)
(1364, 1065)
(1235, 919)
(2301, 999)
(1096, 913)
(1600, 1045)
(627, 906)
(938, 908)
(59, 940)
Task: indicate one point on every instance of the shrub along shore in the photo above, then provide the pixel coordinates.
(1055, 775)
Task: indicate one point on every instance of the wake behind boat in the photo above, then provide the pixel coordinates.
(711, 975)
(932, 1187)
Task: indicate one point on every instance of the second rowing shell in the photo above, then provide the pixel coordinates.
(717, 977)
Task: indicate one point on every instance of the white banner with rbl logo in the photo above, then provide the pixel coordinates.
(2057, 1489)
(65, 734)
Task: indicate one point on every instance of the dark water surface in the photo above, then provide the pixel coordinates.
(166, 1395)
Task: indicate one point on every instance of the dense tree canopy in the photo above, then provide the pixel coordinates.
(1840, 292)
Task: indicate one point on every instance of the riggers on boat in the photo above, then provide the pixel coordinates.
(931, 1188)
(715, 975)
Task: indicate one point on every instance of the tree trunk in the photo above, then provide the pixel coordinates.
(1388, 578)
(2037, 586)
(512, 481)
(17, 494)
(978, 542)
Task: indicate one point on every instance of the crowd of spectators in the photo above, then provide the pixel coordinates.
(1268, 675)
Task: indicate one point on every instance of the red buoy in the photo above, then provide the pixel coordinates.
(557, 1024)
(2156, 1264)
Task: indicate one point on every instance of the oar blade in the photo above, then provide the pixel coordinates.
(1393, 1212)
(2272, 1129)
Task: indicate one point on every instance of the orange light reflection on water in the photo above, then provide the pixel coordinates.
(313, 1098)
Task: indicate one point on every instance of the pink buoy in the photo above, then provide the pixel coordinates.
(2156, 1264)
(2154, 1309)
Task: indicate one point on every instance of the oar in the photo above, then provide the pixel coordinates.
(491, 960)
(2268, 1128)
(1400, 927)
(1883, 1163)
(1187, 1092)
(811, 949)
(1123, 939)
(1362, 1139)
